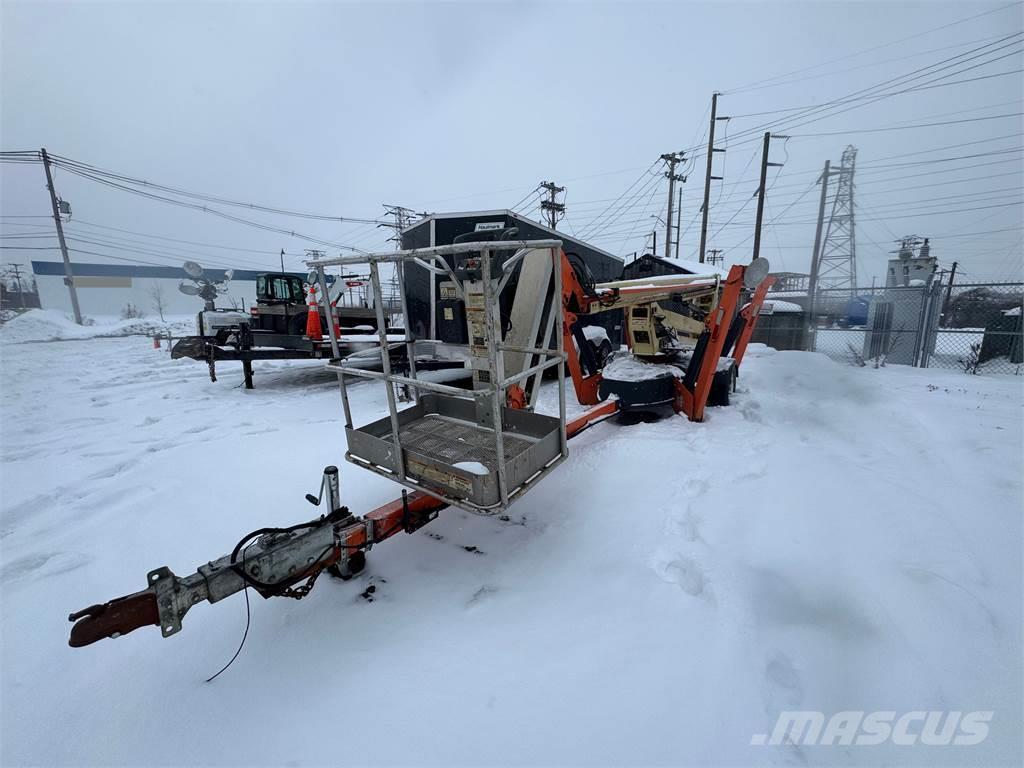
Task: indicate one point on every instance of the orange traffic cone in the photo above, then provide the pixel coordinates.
(313, 329)
(334, 318)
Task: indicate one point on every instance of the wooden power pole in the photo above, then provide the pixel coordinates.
(812, 282)
(553, 210)
(69, 278)
(673, 159)
(761, 189)
(949, 292)
(679, 219)
(708, 178)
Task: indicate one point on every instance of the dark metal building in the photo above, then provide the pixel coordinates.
(650, 265)
(422, 288)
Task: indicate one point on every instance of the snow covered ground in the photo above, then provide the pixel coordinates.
(54, 325)
(837, 539)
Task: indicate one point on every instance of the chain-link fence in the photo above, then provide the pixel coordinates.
(973, 327)
(980, 329)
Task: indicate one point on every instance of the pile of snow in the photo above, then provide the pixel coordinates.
(595, 333)
(773, 306)
(838, 539)
(624, 367)
(53, 325)
(473, 467)
(695, 267)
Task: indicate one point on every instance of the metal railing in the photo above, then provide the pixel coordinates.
(432, 259)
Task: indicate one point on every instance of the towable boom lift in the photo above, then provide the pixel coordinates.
(478, 450)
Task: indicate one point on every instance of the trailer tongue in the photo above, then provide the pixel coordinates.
(478, 450)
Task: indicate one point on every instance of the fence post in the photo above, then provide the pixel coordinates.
(926, 328)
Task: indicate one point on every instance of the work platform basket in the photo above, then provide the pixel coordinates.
(466, 447)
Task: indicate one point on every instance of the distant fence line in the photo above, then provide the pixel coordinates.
(972, 326)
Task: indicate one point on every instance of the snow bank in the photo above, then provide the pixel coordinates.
(52, 325)
(837, 539)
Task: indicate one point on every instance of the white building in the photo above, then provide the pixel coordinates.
(105, 289)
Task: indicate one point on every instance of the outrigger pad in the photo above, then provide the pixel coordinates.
(646, 393)
(640, 395)
(722, 385)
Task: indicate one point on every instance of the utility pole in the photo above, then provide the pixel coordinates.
(679, 220)
(69, 279)
(15, 269)
(761, 190)
(713, 257)
(945, 303)
(708, 178)
(812, 283)
(837, 257)
(672, 158)
(551, 208)
(282, 259)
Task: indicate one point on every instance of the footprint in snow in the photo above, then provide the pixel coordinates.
(784, 688)
(685, 573)
(485, 592)
(43, 564)
(688, 524)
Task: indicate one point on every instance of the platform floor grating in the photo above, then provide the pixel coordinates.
(451, 441)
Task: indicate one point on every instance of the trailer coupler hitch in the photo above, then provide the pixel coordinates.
(272, 561)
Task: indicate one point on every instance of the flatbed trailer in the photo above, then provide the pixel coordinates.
(247, 346)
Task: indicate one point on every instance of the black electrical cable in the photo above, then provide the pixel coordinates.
(764, 82)
(245, 634)
(69, 163)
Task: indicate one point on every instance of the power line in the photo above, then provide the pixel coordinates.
(268, 251)
(906, 127)
(212, 211)
(646, 173)
(859, 66)
(758, 83)
(70, 164)
(871, 94)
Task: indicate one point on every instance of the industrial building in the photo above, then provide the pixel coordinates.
(650, 265)
(423, 288)
(105, 289)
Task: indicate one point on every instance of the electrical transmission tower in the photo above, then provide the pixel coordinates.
(550, 208)
(401, 218)
(837, 261)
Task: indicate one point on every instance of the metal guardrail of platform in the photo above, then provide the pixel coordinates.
(465, 447)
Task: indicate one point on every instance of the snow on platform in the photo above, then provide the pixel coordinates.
(837, 539)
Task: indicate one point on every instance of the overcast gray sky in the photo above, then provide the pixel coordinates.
(338, 107)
